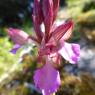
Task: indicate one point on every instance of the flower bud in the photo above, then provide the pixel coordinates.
(18, 36)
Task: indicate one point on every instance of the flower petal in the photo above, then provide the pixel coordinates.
(18, 36)
(70, 52)
(47, 79)
(62, 30)
(37, 11)
(68, 34)
(47, 7)
(37, 19)
(55, 8)
(15, 48)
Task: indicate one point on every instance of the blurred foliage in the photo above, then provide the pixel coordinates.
(83, 14)
(87, 19)
(13, 76)
(74, 85)
(89, 6)
(26, 26)
(6, 58)
(2, 32)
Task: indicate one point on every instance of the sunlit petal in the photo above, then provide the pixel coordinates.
(62, 30)
(70, 52)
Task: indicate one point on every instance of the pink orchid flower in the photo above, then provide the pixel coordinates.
(51, 44)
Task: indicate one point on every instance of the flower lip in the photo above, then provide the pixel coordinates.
(47, 78)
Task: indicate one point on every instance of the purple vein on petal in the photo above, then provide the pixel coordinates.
(61, 30)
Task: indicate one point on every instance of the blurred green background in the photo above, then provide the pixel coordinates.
(16, 78)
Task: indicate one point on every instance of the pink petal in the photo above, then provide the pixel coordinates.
(56, 60)
(68, 34)
(18, 36)
(70, 52)
(37, 11)
(37, 28)
(37, 19)
(55, 8)
(62, 30)
(47, 6)
(47, 79)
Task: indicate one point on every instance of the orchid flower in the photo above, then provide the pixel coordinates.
(51, 44)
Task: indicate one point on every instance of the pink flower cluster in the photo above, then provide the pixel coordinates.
(51, 43)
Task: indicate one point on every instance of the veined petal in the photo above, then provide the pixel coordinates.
(47, 6)
(71, 52)
(55, 8)
(47, 79)
(37, 11)
(18, 36)
(37, 19)
(68, 34)
(37, 28)
(15, 48)
(62, 30)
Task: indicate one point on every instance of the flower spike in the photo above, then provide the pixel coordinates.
(50, 43)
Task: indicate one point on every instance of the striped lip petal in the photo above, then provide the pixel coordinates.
(62, 30)
(47, 79)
